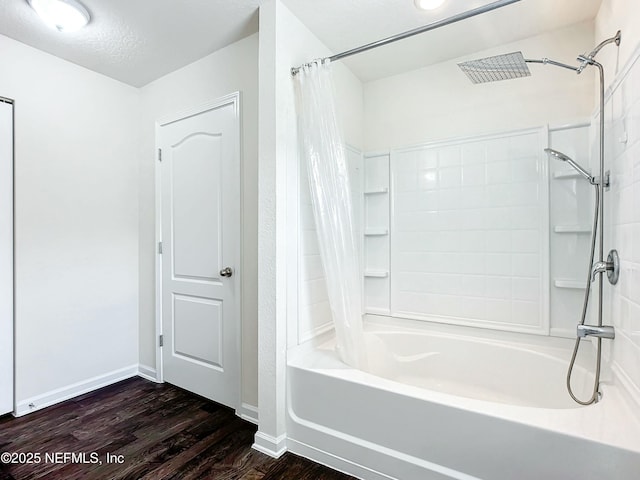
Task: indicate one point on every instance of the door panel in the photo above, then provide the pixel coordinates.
(197, 170)
(200, 225)
(197, 327)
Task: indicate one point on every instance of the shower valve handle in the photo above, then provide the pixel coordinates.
(600, 267)
(611, 266)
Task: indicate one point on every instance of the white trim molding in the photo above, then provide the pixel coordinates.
(58, 395)
(248, 412)
(148, 373)
(334, 461)
(274, 447)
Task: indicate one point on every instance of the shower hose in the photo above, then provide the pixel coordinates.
(596, 384)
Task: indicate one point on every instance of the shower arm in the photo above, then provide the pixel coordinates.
(584, 59)
(588, 59)
(547, 61)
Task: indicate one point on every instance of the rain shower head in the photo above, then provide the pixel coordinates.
(505, 67)
(565, 158)
(499, 67)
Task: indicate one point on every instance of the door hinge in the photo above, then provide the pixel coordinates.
(159, 154)
(160, 248)
(161, 340)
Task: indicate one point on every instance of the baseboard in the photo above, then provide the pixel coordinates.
(248, 412)
(274, 447)
(148, 373)
(65, 393)
(333, 461)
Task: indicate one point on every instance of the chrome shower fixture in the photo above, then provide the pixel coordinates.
(504, 67)
(514, 65)
(588, 59)
(493, 69)
(578, 168)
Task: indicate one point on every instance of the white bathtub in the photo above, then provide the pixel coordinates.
(438, 405)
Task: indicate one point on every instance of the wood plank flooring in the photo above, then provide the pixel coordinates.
(160, 431)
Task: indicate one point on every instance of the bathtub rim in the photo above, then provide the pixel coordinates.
(611, 373)
(614, 410)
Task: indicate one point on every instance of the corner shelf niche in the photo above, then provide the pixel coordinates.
(572, 229)
(375, 232)
(376, 238)
(572, 284)
(376, 273)
(377, 191)
(566, 175)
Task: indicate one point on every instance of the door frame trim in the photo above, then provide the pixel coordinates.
(230, 99)
(14, 399)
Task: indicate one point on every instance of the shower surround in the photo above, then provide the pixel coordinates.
(469, 321)
(377, 409)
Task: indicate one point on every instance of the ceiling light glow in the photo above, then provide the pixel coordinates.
(428, 4)
(63, 15)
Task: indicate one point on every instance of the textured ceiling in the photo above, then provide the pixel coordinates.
(138, 41)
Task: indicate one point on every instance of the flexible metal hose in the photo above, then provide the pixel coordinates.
(599, 213)
(585, 305)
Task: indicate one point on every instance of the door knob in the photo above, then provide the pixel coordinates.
(226, 272)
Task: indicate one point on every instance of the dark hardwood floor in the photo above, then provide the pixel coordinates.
(153, 432)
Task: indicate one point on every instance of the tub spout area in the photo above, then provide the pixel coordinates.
(595, 331)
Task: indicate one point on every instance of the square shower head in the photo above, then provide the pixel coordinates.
(493, 69)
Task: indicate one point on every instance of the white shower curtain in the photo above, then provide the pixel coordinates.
(324, 154)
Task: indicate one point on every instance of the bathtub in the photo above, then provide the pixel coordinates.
(438, 403)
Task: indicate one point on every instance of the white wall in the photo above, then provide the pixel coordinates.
(76, 209)
(439, 101)
(284, 42)
(617, 15)
(233, 68)
(622, 200)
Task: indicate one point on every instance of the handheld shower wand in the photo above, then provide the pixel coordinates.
(577, 167)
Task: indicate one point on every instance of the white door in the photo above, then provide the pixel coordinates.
(200, 233)
(6, 256)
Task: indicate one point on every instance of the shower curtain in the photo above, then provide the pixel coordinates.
(323, 151)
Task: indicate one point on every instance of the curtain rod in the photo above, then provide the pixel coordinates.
(426, 28)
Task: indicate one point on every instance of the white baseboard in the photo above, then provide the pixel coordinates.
(148, 373)
(248, 412)
(65, 393)
(274, 447)
(335, 462)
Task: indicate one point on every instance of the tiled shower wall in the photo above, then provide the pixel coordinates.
(622, 220)
(470, 230)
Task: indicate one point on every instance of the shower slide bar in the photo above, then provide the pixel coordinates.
(426, 28)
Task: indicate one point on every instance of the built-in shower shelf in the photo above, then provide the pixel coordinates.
(575, 284)
(376, 273)
(376, 191)
(566, 175)
(375, 232)
(572, 229)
